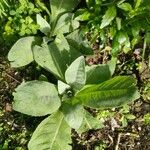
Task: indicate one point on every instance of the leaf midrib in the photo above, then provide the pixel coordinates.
(56, 133)
(88, 123)
(106, 90)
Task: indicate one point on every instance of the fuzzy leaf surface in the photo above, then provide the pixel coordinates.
(63, 24)
(75, 74)
(53, 133)
(21, 52)
(97, 74)
(61, 6)
(36, 98)
(112, 93)
(62, 87)
(73, 114)
(76, 41)
(44, 25)
(50, 58)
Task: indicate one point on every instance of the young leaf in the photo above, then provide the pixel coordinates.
(62, 42)
(36, 98)
(73, 114)
(50, 58)
(44, 25)
(21, 52)
(97, 74)
(138, 3)
(61, 6)
(82, 15)
(68, 53)
(52, 134)
(112, 65)
(76, 42)
(62, 87)
(125, 6)
(112, 93)
(108, 17)
(63, 24)
(75, 74)
(118, 22)
(121, 39)
(89, 122)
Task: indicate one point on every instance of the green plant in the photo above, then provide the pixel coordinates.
(59, 52)
(20, 20)
(147, 118)
(3, 6)
(116, 22)
(39, 98)
(146, 92)
(126, 115)
(60, 45)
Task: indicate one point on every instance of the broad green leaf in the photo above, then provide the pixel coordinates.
(89, 122)
(63, 24)
(76, 41)
(108, 17)
(50, 58)
(62, 42)
(74, 24)
(125, 6)
(122, 37)
(36, 98)
(44, 25)
(62, 87)
(73, 114)
(53, 133)
(112, 93)
(136, 27)
(97, 73)
(82, 15)
(21, 52)
(60, 6)
(68, 53)
(75, 74)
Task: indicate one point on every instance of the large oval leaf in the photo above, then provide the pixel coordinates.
(52, 134)
(75, 74)
(97, 73)
(76, 41)
(21, 52)
(50, 58)
(36, 98)
(108, 17)
(73, 114)
(61, 6)
(111, 93)
(63, 24)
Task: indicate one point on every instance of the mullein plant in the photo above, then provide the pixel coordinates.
(82, 86)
